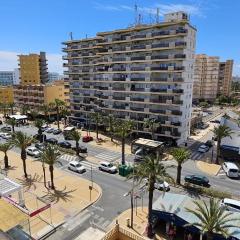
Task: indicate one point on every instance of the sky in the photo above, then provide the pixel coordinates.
(31, 26)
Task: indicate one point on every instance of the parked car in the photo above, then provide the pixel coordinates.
(82, 149)
(65, 144)
(204, 126)
(33, 151)
(197, 179)
(230, 204)
(203, 148)
(40, 146)
(49, 130)
(51, 140)
(1, 122)
(209, 143)
(231, 169)
(5, 135)
(162, 186)
(44, 127)
(76, 167)
(87, 139)
(107, 167)
(57, 131)
(6, 129)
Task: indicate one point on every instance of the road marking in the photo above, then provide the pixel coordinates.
(108, 156)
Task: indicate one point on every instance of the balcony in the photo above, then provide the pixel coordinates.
(138, 47)
(119, 69)
(176, 124)
(177, 90)
(177, 102)
(85, 70)
(160, 45)
(137, 89)
(157, 111)
(120, 79)
(161, 33)
(102, 88)
(85, 54)
(118, 89)
(138, 79)
(137, 99)
(180, 56)
(180, 44)
(159, 57)
(121, 38)
(119, 59)
(85, 86)
(138, 58)
(180, 68)
(159, 68)
(138, 36)
(118, 98)
(158, 90)
(138, 109)
(178, 79)
(176, 112)
(118, 49)
(119, 106)
(181, 30)
(137, 68)
(159, 79)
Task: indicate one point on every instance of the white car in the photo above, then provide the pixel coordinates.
(162, 186)
(49, 130)
(33, 151)
(5, 135)
(230, 204)
(107, 167)
(76, 167)
(231, 169)
(203, 148)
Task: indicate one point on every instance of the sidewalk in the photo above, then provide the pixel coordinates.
(71, 195)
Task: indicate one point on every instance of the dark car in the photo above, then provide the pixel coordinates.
(6, 129)
(87, 138)
(40, 146)
(56, 131)
(197, 179)
(51, 140)
(1, 122)
(65, 144)
(209, 143)
(215, 121)
(82, 149)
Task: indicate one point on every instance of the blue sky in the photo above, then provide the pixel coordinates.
(33, 26)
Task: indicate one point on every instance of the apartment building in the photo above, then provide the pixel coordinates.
(225, 78)
(6, 78)
(137, 73)
(37, 95)
(206, 72)
(33, 69)
(6, 94)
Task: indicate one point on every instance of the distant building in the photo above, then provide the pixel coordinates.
(53, 76)
(33, 69)
(6, 78)
(205, 77)
(225, 78)
(16, 76)
(6, 94)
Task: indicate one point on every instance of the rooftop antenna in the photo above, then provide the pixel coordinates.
(136, 13)
(157, 16)
(71, 36)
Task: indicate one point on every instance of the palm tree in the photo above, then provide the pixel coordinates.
(221, 132)
(5, 147)
(22, 141)
(76, 136)
(33, 114)
(123, 129)
(38, 124)
(12, 105)
(3, 107)
(65, 113)
(46, 109)
(153, 124)
(97, 119)
(57, 105)
(24, 109)
(111, 124)
(12, 122)
(50, 156)
(152, 169)
(213, 219)
(180, 155)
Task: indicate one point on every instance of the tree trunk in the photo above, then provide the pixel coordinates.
(40, 134)
(179, 170)
(6, 161)
(12, 110)
(44, 175)
(65, 121)
(209, 236)
(51, 175)
(13, 129)
(57, 109)
(24, 157)
(123, 151)
(150, 202)
(218, 151)
(97, 129)
(77, 148)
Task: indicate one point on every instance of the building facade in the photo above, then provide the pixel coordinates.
(225, 78)
(6, 94)
(136, 73)
(33, 69)
(53, 76)
(206, 72)
(16, 76)
(6, 78)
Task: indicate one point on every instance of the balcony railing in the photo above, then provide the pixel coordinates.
(118, 89)
(159, 79)
(137, 109)
(181, 31)
(118, 69)
(157, 90)
(118, 98)
(161, 33)
(137, 99)
(138, 79)
(137, 68)
(102, 88)
(119, 106)
(180, 56)
(177, 90)
(138, 47)
(138, 89)
(177, 44)
(160, 57)
(176, 112)
(119, 59)
(138, 36)
(157, 111)
(120, 79)
(159, 68)
(138, 58)
(160, 45)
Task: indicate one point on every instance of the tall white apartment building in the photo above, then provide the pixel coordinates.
(137, 73)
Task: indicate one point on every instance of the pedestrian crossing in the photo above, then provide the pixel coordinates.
(108, 156)
(69, 158)
(196, 155)
(89, 165)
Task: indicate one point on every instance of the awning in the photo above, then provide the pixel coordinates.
(8, 186)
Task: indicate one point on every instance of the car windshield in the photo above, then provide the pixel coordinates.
(35, 150)
(78, 165)
(110, 165)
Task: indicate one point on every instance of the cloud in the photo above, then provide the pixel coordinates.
(193, 9)
(9, 61)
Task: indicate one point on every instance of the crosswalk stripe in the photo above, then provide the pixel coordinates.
(88, 165)
(106, 223)
(108, 156)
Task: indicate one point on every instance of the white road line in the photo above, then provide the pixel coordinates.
(106, 223)
(108, 156)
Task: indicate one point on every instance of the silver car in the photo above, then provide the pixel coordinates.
(33, 151)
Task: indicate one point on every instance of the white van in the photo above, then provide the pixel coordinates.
(231, 169)
(231, 204)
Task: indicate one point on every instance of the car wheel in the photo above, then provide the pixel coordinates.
(69, 168)
(100, 168)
